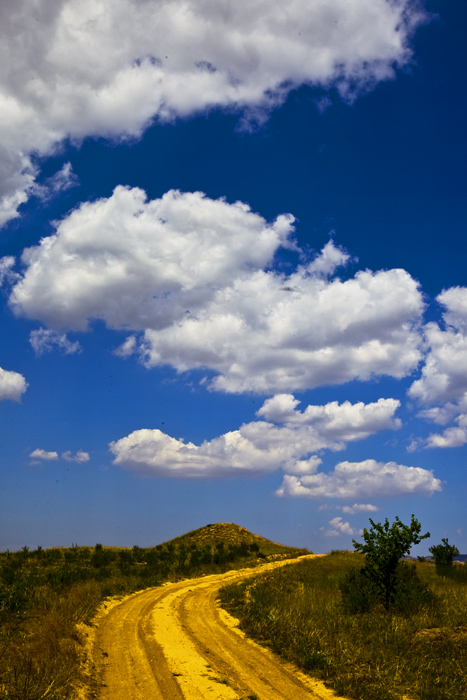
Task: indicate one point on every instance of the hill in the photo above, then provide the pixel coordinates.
(232, 535)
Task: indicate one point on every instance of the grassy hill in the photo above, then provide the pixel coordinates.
(235, 536)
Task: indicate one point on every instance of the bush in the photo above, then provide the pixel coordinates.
(443, 555)
(384, 547)
(409, 594)
(359, 593)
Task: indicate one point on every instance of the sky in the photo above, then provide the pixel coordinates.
(232, 269)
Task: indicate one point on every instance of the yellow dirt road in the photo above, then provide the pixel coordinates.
(175, 643)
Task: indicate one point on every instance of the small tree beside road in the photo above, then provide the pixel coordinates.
(384, 546)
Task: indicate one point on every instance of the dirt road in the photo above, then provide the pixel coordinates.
(175, 643)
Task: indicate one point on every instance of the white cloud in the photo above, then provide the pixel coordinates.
(454, 300)
(77, 68)
(12, 385)
(254, 448)
(451, 437)
(339, 527)
(441, 415)
(138, 264)
(7, 274)
(265, 339)
(44, 340)
(359, 508)
(367, 479)
(346, 421)
(444, 375)
(64, 179)
(80, 456)
(330, 259)
(43, 454)
(128, 347)
(193, 274)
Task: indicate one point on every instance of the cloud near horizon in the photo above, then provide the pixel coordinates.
(43, 454)
(339, 527)
(192, 277)
(79, 457)
(257, 447)
(109, 68)
(68, 456)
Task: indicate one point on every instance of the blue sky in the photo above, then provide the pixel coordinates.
(232, 263)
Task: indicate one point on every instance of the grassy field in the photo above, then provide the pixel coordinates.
(45, 594)
(379, 655)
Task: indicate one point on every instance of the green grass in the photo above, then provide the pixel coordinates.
(379, 655)
(44, 594)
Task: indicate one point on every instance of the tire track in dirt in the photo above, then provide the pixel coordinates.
(175, 643)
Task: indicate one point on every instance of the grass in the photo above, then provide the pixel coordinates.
(379, 655)
(46, 594)
(230, 534)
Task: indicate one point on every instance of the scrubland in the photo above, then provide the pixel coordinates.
(46, 594)
(417, 651)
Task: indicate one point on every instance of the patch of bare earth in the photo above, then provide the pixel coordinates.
(175, 643)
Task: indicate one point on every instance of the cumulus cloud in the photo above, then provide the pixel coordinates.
(367, 479)
(77, 68)
(444, 375)
(43, 454)
(80, 456)
(346, 421)
(12, 385)
(193, 276)
(45, 340)
(256, 447)
(451, 437)
(138, 264)
(339, 527)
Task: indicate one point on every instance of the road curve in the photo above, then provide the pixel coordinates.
(175, 643)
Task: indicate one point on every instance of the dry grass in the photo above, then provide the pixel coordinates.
(379, 655)
(235, 535)
(46, 596)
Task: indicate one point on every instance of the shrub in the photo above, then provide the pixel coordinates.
(443, 554)
(359, 593)
(410, 593)
(384, 547)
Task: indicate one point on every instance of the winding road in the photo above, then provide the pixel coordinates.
(175, 643)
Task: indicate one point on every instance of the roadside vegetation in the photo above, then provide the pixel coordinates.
(369, 628)
(45, 594)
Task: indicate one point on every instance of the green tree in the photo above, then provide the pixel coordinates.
(384, 547)
(444, 553)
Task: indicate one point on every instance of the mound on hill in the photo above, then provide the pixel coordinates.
(233, 535)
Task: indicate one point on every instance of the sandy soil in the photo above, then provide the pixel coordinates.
(175, 643)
